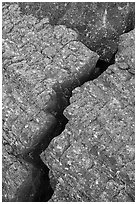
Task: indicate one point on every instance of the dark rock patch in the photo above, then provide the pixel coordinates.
(98, 24)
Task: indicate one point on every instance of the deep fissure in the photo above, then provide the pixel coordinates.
(45, 191)
(40, 189)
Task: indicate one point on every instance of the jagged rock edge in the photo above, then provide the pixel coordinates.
(62, 101)
(63, 94)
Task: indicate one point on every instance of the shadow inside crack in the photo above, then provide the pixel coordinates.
(37, 188)
(44, 191)
(40, 189)
(101, 66)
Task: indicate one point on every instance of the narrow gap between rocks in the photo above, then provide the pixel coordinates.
(45, 192)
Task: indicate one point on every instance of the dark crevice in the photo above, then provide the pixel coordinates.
(44, 192)
(101, 66)
(40, 176)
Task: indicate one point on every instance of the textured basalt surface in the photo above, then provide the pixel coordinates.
(98, 24)
(43, 61)
(93, 159)
(41, 65)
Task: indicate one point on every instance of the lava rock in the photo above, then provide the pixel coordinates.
(39, 62)
(98, 24)
(93, 160)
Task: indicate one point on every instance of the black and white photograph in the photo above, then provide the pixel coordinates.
(68, 101)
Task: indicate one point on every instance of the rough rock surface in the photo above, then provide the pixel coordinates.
(98, 24)
(125, 57)
(93, 159)
(40, 61)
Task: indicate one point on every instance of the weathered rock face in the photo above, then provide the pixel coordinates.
(125, 57)
(53, 10)
(41, 65)
(98, 24)
(93, 159)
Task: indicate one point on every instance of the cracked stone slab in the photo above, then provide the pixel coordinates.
(98, 24)
(36, 57)
(93, 160)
